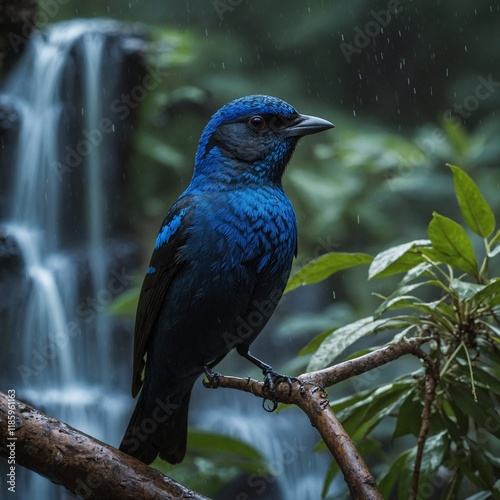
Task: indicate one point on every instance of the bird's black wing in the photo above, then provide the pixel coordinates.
(163, 267)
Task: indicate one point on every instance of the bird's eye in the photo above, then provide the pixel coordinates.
(257, 122)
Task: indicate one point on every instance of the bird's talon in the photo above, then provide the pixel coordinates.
(269, 405)
(212, 380)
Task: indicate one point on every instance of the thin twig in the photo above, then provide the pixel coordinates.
(431, 381)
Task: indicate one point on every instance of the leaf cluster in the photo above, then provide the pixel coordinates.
(448, 298)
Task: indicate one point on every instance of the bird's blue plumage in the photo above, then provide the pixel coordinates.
(219, 266)
(169, 229)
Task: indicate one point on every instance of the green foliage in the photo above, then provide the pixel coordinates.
(213, 460)
(477, 213)
(447, 297)
(324, 266)
(126, 303)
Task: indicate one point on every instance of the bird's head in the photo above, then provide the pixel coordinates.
(252, 138)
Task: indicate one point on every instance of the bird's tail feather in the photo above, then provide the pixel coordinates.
(158, 428)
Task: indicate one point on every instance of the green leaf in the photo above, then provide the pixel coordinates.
(406, 423)
(466, 290)
(401, 470)
(461, 420)
(495, 239)
(333, 470)
(401, 467)
(399, 299)
(487, 293)
(397, 259)
(475, 210)
(314, 344)
(435, 449)
(161, 152)
(457, 136)
(415, 272)
(349, 402)
(126, 303)
(385, 401)
(341, 339)
(452, 244)
(324, 266)
(242, 454)
(213, 460)
(493, 328)
(487, 380)
(481, 463)
(409, 302)
(483, 411)
(361, 415)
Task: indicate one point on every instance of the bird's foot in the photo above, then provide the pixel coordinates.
(271, 379)
(212, 378)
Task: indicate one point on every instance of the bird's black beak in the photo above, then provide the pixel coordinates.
(306, 125)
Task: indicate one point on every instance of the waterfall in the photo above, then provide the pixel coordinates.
(60, 351)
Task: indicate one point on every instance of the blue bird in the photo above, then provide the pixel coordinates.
(219, 266)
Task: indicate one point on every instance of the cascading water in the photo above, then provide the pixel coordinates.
(59, 342)
(64, 257)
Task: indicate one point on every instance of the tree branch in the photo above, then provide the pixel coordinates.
(308, 394)
(93, 469)
(313, 401)
(348, 369)
(85, 466)
(431, 382)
